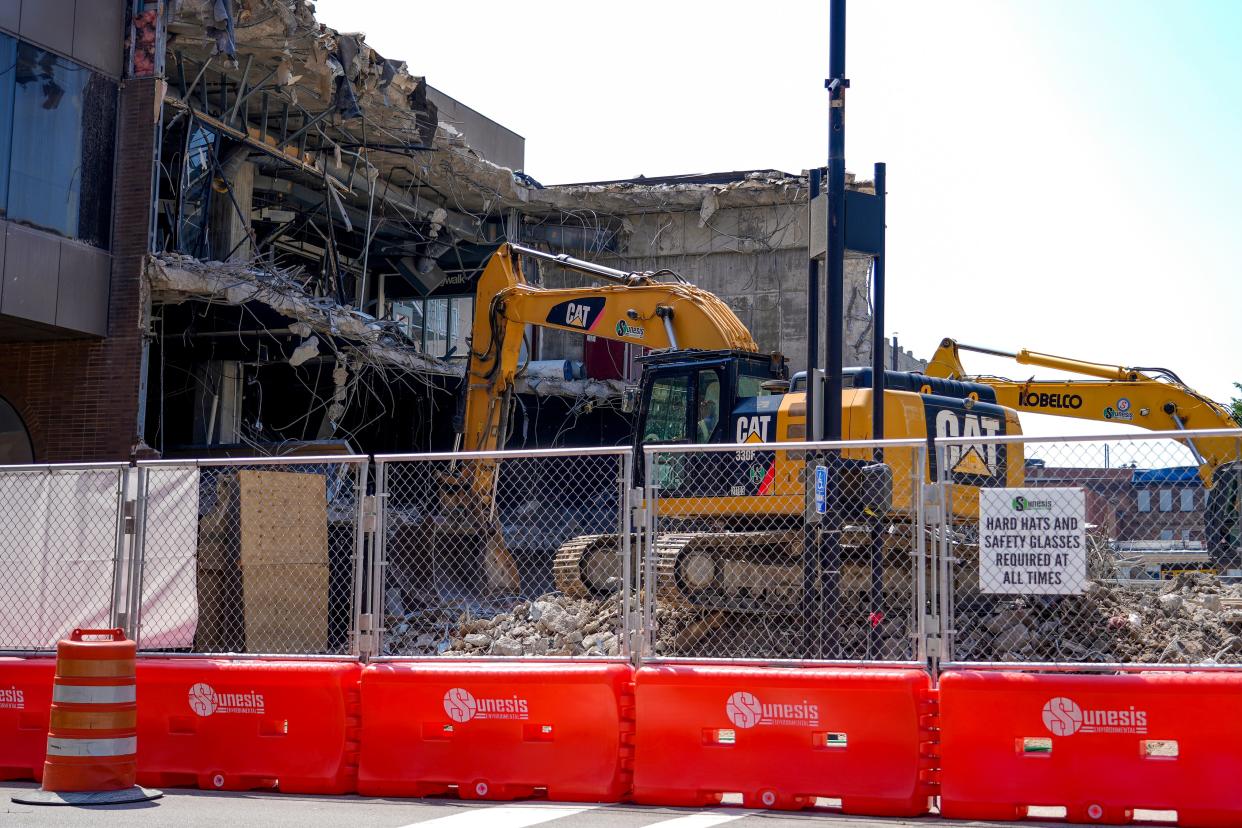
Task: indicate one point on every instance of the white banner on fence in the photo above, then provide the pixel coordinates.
(169, 579)
(1032, 541)
(57, 546)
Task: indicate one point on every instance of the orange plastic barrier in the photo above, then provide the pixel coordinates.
(497, 731)
(25, 708)
(241, 725)
(92, 740)
(1099, 746)
(784, 737)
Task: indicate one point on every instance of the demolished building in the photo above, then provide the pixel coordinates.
(296, 229)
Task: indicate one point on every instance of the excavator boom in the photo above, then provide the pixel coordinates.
(1150, 398)
(635, 309)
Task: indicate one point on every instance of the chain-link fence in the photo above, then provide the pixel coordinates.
(1119, 551)
(505, 554)
(251, 556)
(62, 546)
(814, 551)
(980, 550)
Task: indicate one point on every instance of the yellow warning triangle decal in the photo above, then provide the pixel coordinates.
(972, 463)
(753, 437)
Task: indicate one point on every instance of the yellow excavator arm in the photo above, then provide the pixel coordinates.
(635, 309)
(1150, 398)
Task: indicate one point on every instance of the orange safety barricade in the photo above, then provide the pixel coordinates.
(1098, 746)
(783, 737)
(25, 707)
(92, 740)
(497, 731)
(241, 724)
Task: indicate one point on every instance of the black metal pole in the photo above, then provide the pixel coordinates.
(876, 618)
(812, 322)
(877, 326)
(835, 300)
(810, 528)
(834, 307)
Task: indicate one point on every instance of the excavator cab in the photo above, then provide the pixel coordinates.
(706, 397)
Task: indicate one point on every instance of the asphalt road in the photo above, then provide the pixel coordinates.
(211, 809)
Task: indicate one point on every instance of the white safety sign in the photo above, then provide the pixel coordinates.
(1033, 541)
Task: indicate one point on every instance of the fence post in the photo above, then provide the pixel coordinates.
(922, 607)
(651, 517)
(137, 557)
(626, 550)
(379, 556)
(362, 635)
(119, 617)
(943, 518)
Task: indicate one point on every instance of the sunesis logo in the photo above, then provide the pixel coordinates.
(626, 329)
(1043, 400)
(1022, 504)
(461, 706)
(11, 698)
(1063, 717)
(205, 701)
(746, 711)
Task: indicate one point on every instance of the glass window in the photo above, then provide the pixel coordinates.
(1144, 500)
(707, 419)
(436, 327)
(1166, 500)
(1188, 500)
(1166, 534)
(60, 166)
(8, 69)
(751, 386)
(462, 318)
(666, 414)
(196, 191)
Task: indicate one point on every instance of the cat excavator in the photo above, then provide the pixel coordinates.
(740, 514)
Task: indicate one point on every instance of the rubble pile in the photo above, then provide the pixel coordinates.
(556, 625)
(551, 625)
(1191, 619)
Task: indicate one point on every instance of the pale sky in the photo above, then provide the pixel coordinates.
(1064, 175)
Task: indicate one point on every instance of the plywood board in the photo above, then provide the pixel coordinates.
(284, 561)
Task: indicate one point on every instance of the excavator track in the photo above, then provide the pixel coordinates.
(752, 572)
(587, 566)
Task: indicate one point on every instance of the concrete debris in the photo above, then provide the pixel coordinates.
(551, 625)
(1192, 619)
(307, 349)
(174, 278)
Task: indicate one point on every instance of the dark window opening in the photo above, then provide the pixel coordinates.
(15, 447)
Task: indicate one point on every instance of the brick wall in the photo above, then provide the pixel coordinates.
(80, 398)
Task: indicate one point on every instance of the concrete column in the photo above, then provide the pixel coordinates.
(230, 226)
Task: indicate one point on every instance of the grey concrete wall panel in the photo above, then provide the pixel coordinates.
(50, 23)
(11, 16)
(99, 35)
(82, 300)
(496, 143)
(31, 274)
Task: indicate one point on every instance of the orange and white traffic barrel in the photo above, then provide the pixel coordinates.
(92, 742)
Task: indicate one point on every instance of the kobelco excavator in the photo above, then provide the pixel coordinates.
(1150, 398)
